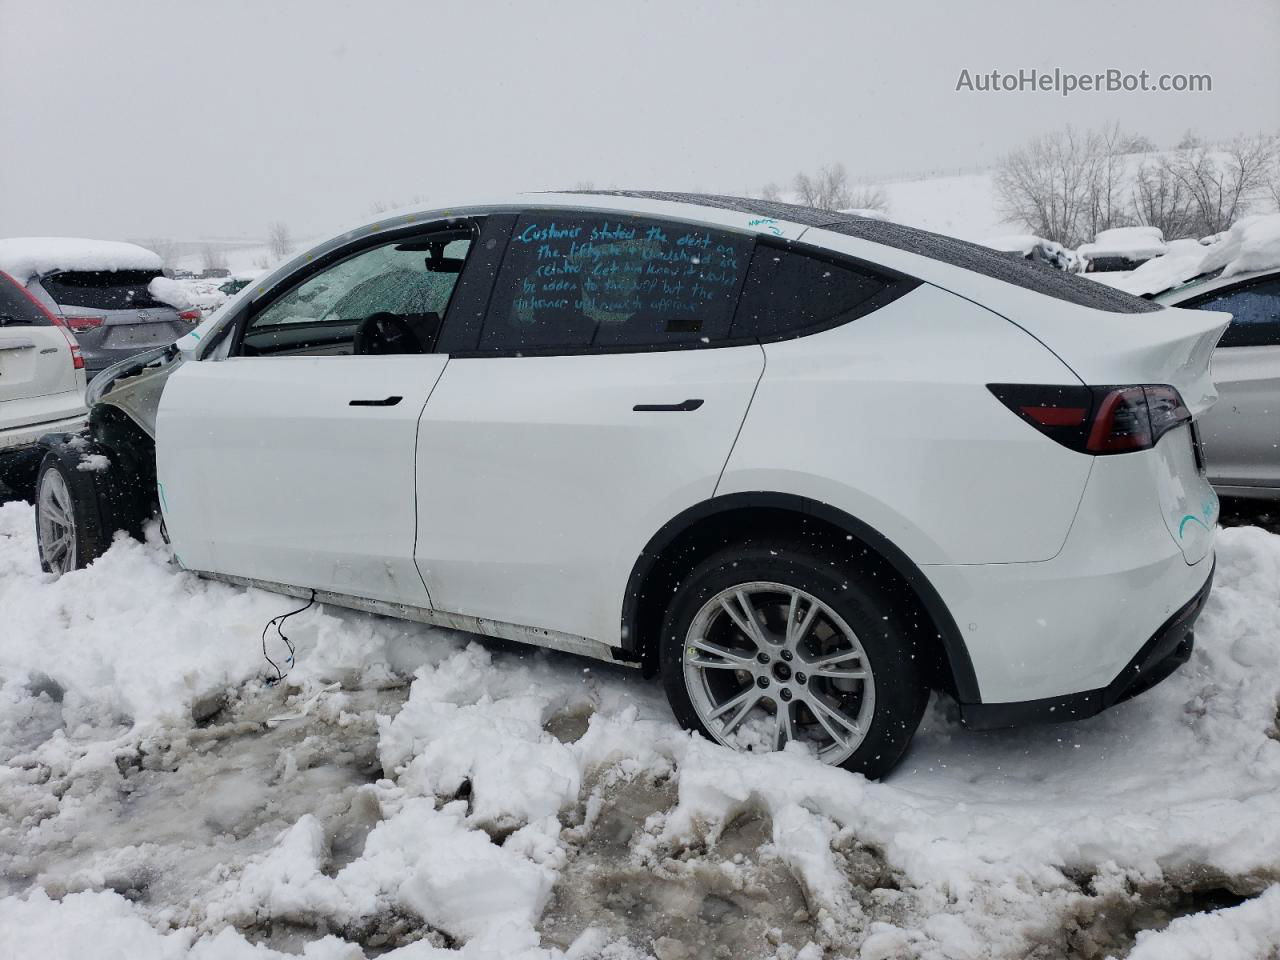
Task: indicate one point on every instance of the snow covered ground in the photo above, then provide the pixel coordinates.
(415, 793)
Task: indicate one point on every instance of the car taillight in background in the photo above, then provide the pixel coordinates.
(81, 322)
(1097, 420)
(191, 316)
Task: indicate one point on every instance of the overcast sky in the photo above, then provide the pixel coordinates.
(202, 119)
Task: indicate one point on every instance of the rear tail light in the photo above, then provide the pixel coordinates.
(77, 358)
(1097, 420)
(191, 316)
(79, 322)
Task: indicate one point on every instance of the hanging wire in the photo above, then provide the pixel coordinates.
(277, 622)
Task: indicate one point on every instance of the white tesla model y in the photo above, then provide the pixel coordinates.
(804, 466)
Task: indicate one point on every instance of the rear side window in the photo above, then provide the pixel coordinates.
(581, 282)
(102, 289)
(788, 292)
(1254, 309)
(16, 308)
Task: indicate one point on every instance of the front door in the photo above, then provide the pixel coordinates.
(292, 460)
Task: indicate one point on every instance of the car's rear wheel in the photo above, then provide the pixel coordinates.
(780, 643)
(68, 531)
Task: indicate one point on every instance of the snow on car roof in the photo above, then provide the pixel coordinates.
(1251, 245)
(1134, 243)
(26, 257)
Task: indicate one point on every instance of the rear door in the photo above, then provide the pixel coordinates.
(39, 381)
(1241, 434)
(292, 460)
(599, 398)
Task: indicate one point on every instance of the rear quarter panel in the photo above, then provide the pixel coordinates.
(889, 419)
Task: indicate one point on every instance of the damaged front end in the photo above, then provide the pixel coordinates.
(113, 459)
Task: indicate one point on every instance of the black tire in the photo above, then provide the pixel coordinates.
(899, 693)
(87, 538)
(18, 474)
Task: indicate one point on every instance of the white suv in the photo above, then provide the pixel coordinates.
(42, 381)
(806, 466)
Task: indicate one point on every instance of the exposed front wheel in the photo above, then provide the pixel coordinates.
(767, 645)
(68, 529)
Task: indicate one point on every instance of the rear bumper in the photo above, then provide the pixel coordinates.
(25, 437)
(1167, 649)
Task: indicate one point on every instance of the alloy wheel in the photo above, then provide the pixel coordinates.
(57, 524)
(766, 663)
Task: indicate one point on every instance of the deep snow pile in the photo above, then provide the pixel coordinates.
(408, 789)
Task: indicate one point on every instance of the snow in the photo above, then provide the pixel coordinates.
(26, 257)
(93, 463)
(1252, 244)
(1246, 932)
(412, 790)
(961, 205)
(172, 292)
(1133, 243)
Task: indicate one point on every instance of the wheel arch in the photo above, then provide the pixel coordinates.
(694, 533)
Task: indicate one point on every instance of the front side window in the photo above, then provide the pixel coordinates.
(573, 282)
(103, 289)
(1255, 313)
(388, 299)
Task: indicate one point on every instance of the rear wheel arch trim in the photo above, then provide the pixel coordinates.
(954, 647)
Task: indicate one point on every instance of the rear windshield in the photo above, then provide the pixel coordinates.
(102, 289)
(16, 308)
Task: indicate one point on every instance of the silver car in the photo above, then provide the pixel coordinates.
(1241, 434)
(111, 312)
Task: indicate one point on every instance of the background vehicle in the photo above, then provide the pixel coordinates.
(804, 465)
(1242, 433)
(41, 382)
(100, 289)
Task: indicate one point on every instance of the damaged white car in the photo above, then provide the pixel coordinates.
(806, 466)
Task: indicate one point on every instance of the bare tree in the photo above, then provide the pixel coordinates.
(212, 258)
(828, 189)
(1107, 182)
(771, 191)
(1048, 185)
(867, 196)
(1223, 184)
(279, 240)
(1159, 200)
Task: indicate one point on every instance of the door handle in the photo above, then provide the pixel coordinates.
(388, 402)
(684, 407)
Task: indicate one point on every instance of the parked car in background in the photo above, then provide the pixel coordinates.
(101, 290)
(1241, 434)
(805, 466)
(1237, 272)
(42, 382)
(234, 285)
